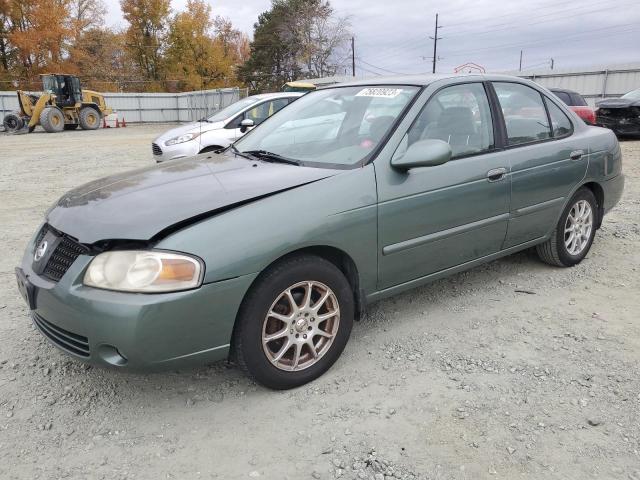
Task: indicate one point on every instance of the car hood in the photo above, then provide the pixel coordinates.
(618, 103)
(196, 127)
(140, 204)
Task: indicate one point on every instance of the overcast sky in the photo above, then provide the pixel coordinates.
(393, 36)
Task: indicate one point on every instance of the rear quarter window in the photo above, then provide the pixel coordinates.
(560, 124)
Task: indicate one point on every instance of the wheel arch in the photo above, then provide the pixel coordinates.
(211, 148)
(91, 105)
(339, 258)
(598, 192)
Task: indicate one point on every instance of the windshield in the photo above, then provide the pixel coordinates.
(339, 126)
(232, 109)
(632, 95)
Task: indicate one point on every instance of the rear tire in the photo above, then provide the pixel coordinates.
(309, 337)
(573, 236)
(13, 122)
(52, 120)
(89, 118)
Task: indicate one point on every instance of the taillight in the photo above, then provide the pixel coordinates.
(586, 113)
(590, 116)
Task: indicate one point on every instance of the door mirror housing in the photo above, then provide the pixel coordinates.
(423, 153)
(246, 124)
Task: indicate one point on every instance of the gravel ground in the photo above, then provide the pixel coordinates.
(466, 378)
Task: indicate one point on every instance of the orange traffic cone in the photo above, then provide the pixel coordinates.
(117, 123)
(104, 122)
(124, 123)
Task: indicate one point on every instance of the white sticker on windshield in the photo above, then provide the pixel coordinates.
(379, 92)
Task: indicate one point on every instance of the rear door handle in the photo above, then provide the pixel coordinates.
(576, 154)
(496, 174)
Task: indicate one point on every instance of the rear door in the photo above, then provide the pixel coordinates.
(547, 159)
(434, 218)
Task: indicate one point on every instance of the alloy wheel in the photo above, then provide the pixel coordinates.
(300, 326)
(578, 227)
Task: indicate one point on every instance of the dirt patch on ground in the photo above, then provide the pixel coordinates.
(464, 378)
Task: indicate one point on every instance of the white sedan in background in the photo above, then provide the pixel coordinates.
(221, 129)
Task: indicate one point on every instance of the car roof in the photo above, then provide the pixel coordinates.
(563, 90)
(266, 96)
(424, 80)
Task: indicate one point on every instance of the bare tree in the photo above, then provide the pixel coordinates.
(320, 35)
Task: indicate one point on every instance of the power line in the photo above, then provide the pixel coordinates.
(419, 43)
(380, 68)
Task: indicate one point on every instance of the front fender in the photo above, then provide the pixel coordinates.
(338, 212)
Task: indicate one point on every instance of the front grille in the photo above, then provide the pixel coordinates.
(66, 252)
(62, 258)
(67, 341)
(156, 149)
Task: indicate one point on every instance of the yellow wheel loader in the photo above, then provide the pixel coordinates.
(63, 105)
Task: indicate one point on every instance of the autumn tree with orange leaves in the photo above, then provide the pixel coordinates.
(156, 50)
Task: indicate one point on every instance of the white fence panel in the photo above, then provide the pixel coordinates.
(154, 107)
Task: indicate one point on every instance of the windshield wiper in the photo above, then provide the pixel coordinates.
(235, 150)
(271, 157)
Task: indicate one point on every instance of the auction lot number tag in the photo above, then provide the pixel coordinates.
(379, 92)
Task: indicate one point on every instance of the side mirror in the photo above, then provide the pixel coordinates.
(423, 153)
(246, 124)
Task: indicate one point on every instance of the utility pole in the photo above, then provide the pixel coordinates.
(520, 67)
(552, 62)
(435, 39)
(353, 56)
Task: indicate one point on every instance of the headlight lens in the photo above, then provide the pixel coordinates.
(182, 138)
(144, 271)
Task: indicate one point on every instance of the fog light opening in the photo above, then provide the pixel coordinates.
(112, 355)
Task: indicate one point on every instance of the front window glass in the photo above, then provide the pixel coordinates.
(459, 115)
(339, 126)
(232, 109)
(524, 113)
(632, 95)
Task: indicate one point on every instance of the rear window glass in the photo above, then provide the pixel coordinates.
(578, 101)
(564, 96)
(524, 113)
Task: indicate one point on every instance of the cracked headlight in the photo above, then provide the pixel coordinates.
(144, 271)
(187, 137)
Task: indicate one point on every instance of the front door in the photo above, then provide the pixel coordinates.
(434, 218)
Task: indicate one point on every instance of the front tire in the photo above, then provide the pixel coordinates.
(294, 323)
(573, 236)
(89, 118)
(52, 120)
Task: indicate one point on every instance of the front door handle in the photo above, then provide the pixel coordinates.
(496, 174)
(576, 154)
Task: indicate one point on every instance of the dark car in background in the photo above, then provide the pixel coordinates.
(577, 103)
(622, 115)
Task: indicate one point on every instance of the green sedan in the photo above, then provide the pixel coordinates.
(267, 252)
